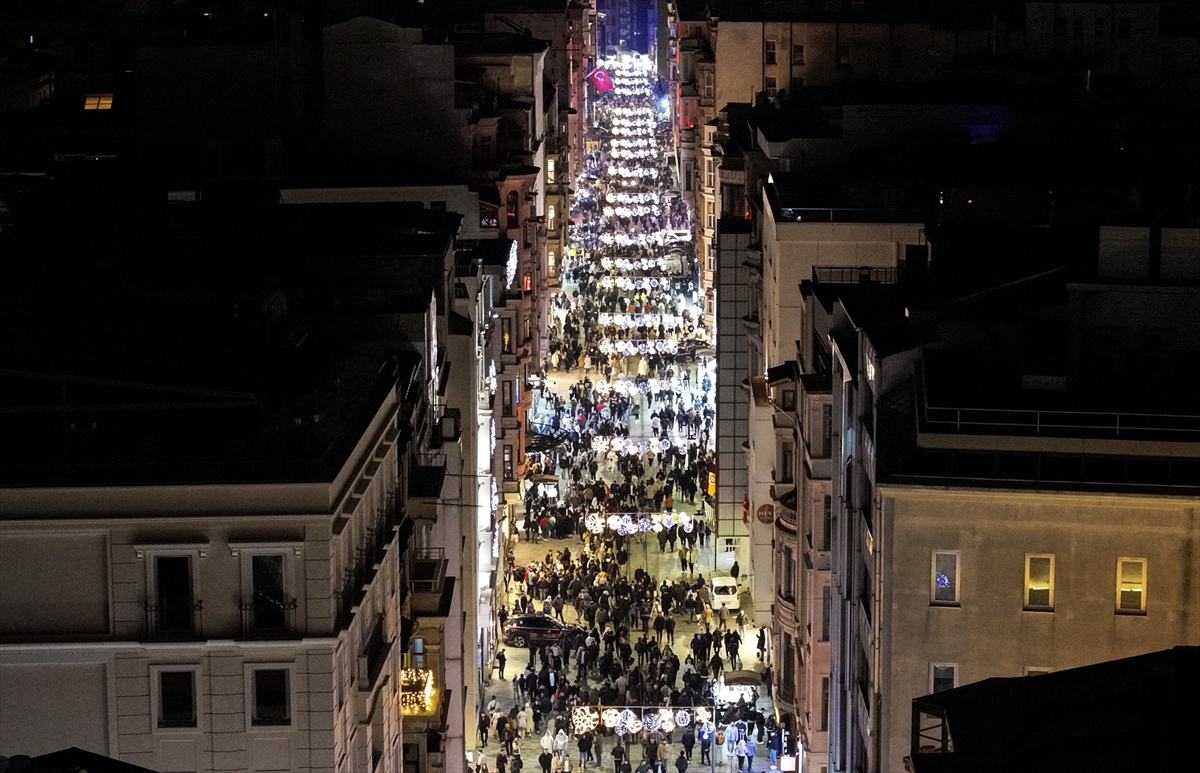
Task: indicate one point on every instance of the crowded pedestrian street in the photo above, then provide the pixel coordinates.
(625, 625)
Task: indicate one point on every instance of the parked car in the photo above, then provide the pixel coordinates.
(538, 630)
(723, 594)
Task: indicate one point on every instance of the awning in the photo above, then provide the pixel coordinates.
(748, 678)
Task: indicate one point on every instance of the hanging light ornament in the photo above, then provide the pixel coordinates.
(611, 717)
(585, 719)
(683, 718)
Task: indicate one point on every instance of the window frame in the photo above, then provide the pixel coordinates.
(201, 717)
(797, 54)
(1120, 610)
(1031, 607)
(769, 52)
(934, 601)
(250, 689)
(933, 671)
(289, 550)
(97, 101)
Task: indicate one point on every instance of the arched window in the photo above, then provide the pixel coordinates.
(511, 210)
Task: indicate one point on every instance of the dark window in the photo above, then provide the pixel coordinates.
(769, 52)
(771, 86)
(944, 677)
(510, 209)
(824, 703)
(174, 593)
(267, 576)
(787, 462)
(437, 206)
(798, 56)
(506, 403)
(508, 464)
(825, 605)
(827, 529)
(271, 698)
(843, 55)
(176, 699)
(788, 400)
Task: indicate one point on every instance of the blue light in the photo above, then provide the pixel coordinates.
(663, 105)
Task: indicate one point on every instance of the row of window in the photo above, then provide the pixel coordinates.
(770, 55)
(269, 702)
(1130, 598)
(944, 676)
(1099, 27)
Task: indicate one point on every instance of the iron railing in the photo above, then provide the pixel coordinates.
(174, 622)
(268, 616)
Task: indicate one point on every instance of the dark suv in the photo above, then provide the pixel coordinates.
(538, 630)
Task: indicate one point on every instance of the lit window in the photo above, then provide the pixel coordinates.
(98, 102)
(551, 216)
(550, 169)
(1131, 586)
(944, 582)
(1039, 582)
(550, 262)
(943, 676)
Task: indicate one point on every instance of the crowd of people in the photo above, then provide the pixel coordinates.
(630, 474)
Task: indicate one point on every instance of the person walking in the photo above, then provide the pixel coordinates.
(681, 763)
(739, 750)
(618, 755)
(485, 723)
(545, 759)
(751, 750)
(501, 659)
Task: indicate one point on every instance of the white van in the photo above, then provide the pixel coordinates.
(723, 594)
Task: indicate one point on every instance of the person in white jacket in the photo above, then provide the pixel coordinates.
(560, 743)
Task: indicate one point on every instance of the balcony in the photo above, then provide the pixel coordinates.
(425, 480)
(432, 592)
(373, 657)
(786, 695)
(447, 429)
(174, 622)
(268, 616)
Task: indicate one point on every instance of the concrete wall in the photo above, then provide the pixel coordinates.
(990, 634)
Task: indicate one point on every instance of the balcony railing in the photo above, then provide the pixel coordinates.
(267, 616)
(432, 590)
(177, 622)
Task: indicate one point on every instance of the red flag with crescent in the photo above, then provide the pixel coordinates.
(600, 79)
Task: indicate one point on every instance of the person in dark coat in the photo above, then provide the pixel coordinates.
(681, 763)
(689, 741)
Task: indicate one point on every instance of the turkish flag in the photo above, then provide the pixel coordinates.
(600, 79)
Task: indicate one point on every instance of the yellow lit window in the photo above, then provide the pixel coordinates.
(550, 171)
(1039, 582)
(1131, 586)
(98, 102)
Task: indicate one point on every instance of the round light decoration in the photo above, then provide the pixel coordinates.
(666, 720)
(585, 719)
(594, 523)
(703, 715)
(651, 722)
(611, 717)
(682, 718)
